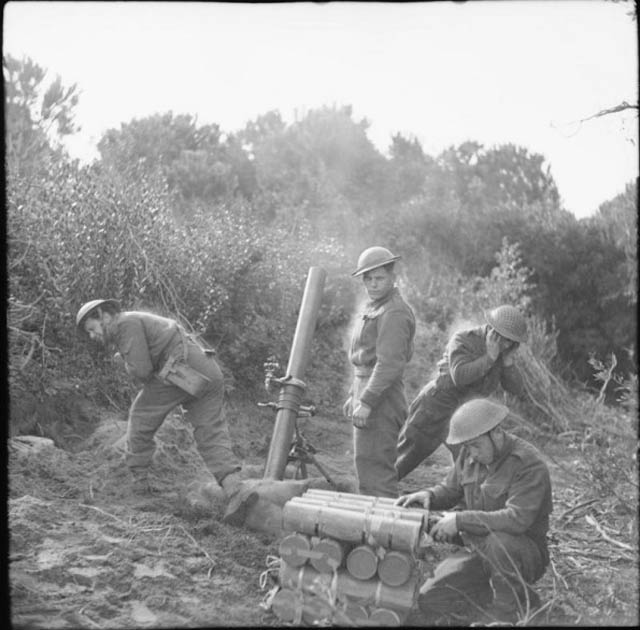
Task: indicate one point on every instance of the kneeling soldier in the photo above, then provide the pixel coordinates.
(506, 493)
(154, 350)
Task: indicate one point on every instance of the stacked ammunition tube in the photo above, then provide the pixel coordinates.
(347, 559)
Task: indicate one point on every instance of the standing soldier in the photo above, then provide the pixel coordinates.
(381, 347)
(474, 363)
(505, 489)
(172, 370)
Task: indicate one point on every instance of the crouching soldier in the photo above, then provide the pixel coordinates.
(172, 370)
(505, 489)
(475, 362)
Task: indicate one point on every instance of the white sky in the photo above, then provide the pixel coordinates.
(444, 72)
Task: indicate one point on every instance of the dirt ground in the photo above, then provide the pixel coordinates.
(85, 552)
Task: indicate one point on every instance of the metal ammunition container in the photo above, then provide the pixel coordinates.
(356, 614)
(328, 554)
(361, 506)
(347, 496)
(385, 617)
(384, 528)
(395, 567)
(294, 549)
(362, 562)
(295, 606)
(287, 605)
(372, 592)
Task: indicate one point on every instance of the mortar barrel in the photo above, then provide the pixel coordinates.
(362, 562)
(291, 393)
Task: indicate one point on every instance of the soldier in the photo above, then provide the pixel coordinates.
(146, 343)
(381, 346)
(474, 363)
(506, 492)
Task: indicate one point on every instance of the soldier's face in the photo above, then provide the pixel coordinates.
(378, 282)
(481, 449)
(95, 329)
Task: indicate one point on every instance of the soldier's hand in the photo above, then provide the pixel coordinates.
(347, 408)
(493, 344)
(508, 356)
(361, 415)
(422, 497)
(445, 529)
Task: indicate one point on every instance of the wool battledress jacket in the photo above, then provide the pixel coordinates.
(146, 341)
(511, 495)
(382, 345)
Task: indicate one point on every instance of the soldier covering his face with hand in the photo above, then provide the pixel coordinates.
(475, 362)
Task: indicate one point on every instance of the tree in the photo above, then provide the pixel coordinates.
(321, 169)
(618, 221)
(37, 116)
(409, 168)
(505, 175)
(200, 163)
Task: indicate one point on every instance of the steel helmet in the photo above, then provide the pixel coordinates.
(86, 308)
(474, 418)
(509, 322)
(372, 258)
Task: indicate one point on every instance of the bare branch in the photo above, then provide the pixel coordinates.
(611, 110)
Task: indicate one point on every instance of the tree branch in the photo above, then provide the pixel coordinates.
(611, 110)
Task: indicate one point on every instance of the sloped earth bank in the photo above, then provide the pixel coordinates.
(85, 552)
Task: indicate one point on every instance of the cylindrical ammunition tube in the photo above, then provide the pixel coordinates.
(292, 549)
(385, 617)
(329, 554)
(362, 562)
(395, 567)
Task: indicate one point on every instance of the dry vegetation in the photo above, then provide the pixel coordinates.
(85, 553)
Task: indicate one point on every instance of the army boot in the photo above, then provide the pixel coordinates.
(241, 498)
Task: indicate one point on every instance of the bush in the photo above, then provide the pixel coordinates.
(221, 274)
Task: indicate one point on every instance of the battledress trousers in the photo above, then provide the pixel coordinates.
(465, 371)
(503, 526)
(381, 346)
(146, 341)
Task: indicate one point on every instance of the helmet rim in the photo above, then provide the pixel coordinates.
(475, 418)
(491, 317)
(87, 307)
(386, 258)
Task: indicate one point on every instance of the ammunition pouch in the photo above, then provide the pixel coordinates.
(178, 372)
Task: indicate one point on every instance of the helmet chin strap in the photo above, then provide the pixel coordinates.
(493, 444)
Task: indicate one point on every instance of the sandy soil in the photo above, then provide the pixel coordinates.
(85, 552)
